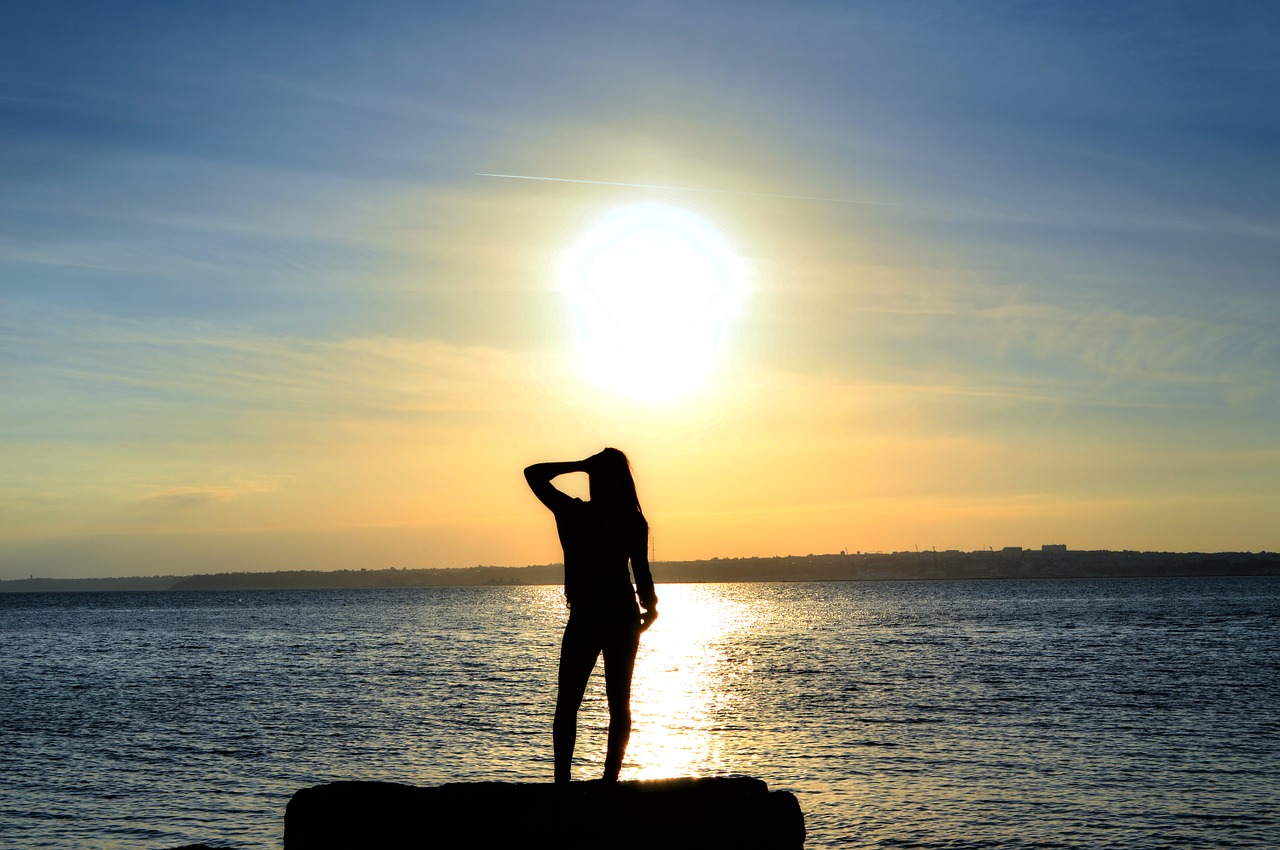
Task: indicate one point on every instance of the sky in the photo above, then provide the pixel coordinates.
(1001, 274)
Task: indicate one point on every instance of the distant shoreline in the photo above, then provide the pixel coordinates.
(1011, 563)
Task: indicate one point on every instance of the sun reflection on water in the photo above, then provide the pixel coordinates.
(683, 691)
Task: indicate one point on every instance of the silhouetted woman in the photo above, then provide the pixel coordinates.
(599, 537)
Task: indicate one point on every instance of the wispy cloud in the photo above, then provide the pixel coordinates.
(195, 497)
(186, 369)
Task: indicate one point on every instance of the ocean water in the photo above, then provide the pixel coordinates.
(1000, 714)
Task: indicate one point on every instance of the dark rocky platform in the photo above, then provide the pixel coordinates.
(735, 811)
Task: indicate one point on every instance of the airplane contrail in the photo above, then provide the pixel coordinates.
(821, 198)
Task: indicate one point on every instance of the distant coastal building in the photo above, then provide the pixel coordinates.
(1011, 550)
(1054, 548)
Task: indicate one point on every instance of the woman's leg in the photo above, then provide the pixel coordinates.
(578, 652)
(619, 664)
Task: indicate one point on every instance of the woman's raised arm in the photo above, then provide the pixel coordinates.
(539, 476)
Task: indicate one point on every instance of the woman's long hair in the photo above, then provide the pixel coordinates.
(615, 488)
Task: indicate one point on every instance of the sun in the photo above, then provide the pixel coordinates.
(653, 289)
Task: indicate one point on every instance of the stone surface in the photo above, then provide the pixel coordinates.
(738, 812)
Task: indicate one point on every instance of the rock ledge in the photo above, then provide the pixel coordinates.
(702, 813)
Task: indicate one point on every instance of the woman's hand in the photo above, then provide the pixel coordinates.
(647, 616)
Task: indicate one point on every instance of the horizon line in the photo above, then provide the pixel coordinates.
(844, 554)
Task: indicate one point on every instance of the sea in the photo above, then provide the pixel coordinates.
(1116, 713)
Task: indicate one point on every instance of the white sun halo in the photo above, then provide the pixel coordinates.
(653, 288)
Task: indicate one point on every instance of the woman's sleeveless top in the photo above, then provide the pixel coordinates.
(597, 548)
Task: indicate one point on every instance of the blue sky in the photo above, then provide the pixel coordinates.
(227, 228)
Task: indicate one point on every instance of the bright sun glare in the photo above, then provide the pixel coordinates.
(653, 289)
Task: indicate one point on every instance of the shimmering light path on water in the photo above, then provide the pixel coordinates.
(1051, 714)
